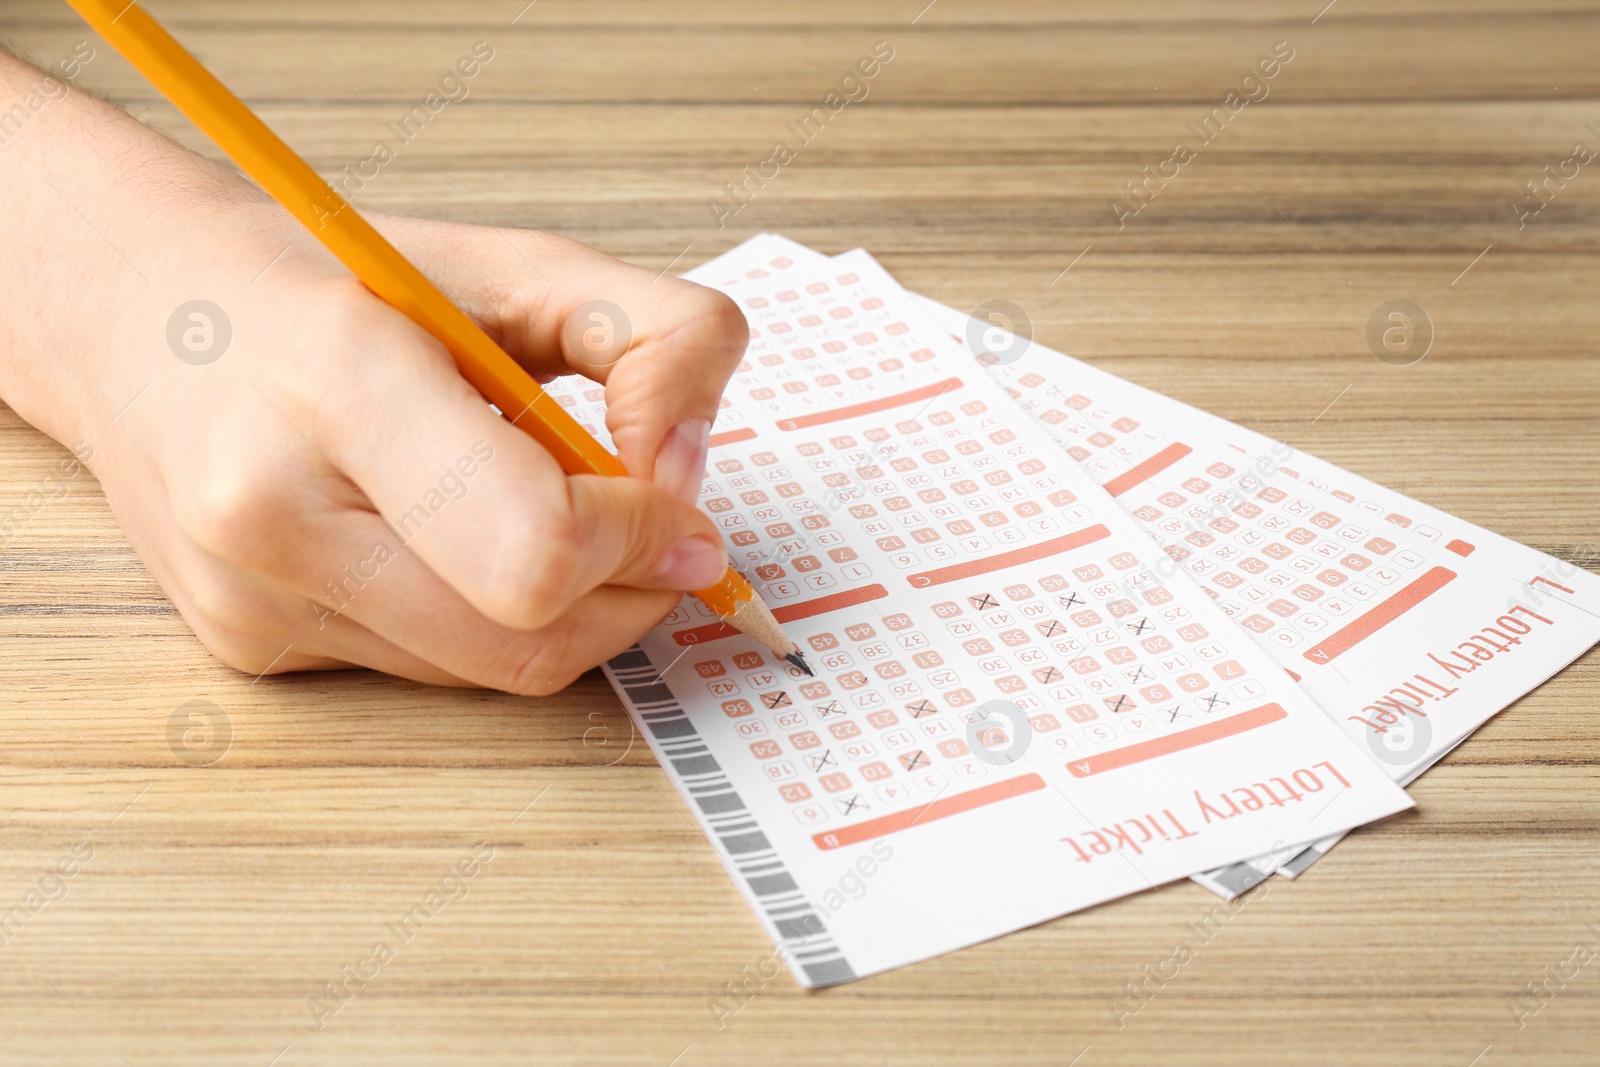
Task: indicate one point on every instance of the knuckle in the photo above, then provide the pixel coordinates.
(530, 576)
(726, 323)
(221, 606)
(714, 326)
(226, 511)
(243, 630)
(230, 645)
(241, 655)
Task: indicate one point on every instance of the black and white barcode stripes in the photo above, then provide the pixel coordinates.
(747, 850)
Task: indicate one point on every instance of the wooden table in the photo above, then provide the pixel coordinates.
(210, 902)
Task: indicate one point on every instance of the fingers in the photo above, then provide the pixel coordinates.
(260, 626)
(470, 649)
(338, 644)
(664, 347)
(448, 632)
(477, 500)
(401, 618)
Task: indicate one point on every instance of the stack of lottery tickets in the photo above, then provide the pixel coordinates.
(1072, 638)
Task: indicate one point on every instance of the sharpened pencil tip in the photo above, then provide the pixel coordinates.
(800, 661)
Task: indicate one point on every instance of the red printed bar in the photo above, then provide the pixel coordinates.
(1365, 626)
(1147, 470)
(933, 811)
(1191, 738)
(716, 631)
(1461, 548)
(972, 568)
(882, 403)
(743, 433)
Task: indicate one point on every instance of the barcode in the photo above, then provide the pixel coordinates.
(745, 846)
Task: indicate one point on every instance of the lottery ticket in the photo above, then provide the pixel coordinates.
(1135, 441)
(1409, 626)
(1012, 717)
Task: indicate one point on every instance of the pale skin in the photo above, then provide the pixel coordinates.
(250, 483)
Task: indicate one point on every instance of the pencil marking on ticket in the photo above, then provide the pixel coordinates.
(1053, 547)
(1386, 612)
(868, 407)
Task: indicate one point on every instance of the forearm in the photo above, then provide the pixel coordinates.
(89, 201)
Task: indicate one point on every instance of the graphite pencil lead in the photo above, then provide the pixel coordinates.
(799, 660)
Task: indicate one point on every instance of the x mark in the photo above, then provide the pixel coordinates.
(822, 762)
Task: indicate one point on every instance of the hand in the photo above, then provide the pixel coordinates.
(328, 491)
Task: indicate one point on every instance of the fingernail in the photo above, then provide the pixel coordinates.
(693, 563)
(681, 463)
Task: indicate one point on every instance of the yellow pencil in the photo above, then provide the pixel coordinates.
(290, 181)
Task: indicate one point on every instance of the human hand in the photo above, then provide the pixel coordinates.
(328, 491)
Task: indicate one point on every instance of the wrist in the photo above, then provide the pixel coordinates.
(102, 219)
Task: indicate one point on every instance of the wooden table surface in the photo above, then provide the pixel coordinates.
(223, 876)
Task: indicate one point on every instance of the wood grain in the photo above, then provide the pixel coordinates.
(219, 898)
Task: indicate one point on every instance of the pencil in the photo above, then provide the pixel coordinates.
(290, 181)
